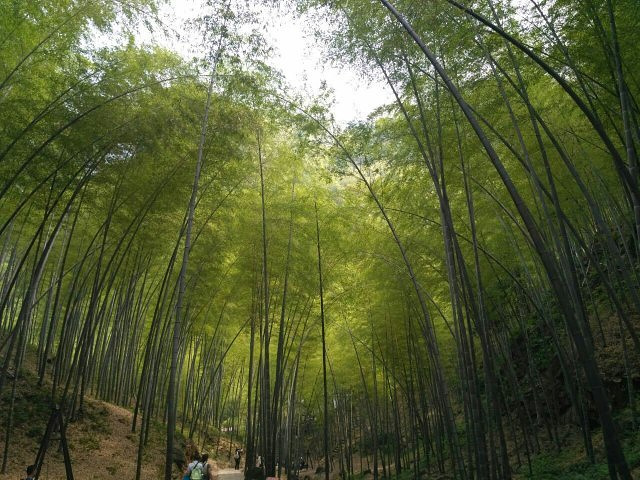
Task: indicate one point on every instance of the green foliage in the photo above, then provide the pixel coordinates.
(570, 465)
(32, 407)
(100, 144)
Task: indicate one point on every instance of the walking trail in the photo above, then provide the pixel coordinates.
(230, 474)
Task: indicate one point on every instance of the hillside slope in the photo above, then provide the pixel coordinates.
(101, 443)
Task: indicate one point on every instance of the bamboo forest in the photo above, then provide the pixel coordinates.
(207, 272)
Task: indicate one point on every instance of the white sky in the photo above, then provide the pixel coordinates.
(296, 54)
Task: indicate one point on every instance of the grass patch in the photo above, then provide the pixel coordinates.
(571, 464)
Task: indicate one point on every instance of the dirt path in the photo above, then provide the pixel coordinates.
(229, 474)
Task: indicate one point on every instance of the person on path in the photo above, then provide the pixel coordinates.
(207, 467)
(195, 470)
(237, 456)
(259, 461)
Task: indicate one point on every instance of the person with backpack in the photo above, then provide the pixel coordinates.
(195, 470)
(207, 467)
(237, 456)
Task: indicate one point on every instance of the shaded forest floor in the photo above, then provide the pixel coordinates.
(103, 447)
(101, 444)
(571, 462)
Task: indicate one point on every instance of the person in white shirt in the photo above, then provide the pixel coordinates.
(195, 470)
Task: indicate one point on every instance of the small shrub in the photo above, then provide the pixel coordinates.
(90, 443)
(34, 432)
